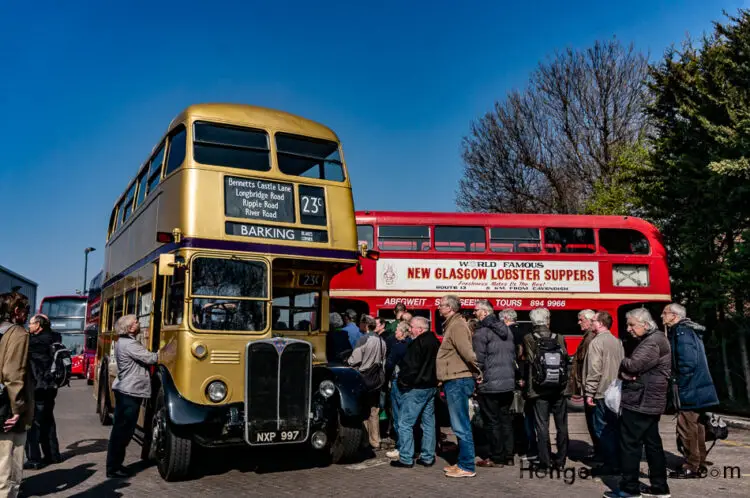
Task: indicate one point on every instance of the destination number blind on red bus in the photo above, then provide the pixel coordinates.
(473, 275)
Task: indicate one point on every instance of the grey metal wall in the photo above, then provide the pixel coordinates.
(10, 279)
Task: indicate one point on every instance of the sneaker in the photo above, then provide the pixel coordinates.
(684, 473)
(424, 463)
(401, 465)
(649, 492)
(393, 454)
(459, 472)
(450, 468)
(620, 494)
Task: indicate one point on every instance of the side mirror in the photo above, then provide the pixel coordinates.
(371, 254)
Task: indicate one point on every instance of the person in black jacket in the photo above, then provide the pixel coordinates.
(495, 350)
(43, 432)
(417, 383)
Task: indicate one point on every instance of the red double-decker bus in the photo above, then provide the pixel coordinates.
(67, 315)
(565, 263)
(91, 329)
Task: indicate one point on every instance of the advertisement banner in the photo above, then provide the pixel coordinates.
(497, 276)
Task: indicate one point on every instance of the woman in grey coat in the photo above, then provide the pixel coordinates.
(132, 387)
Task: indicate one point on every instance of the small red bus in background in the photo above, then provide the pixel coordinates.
(565, 263)
(67, 315)
(91, 329)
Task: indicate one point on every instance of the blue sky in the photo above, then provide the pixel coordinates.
(87, 88)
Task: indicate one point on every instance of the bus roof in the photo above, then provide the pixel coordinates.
(507, 219)
(261, 117)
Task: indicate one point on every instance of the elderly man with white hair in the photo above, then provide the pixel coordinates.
(547, 381)
(695, 386)
(131, 388)
(575, 385)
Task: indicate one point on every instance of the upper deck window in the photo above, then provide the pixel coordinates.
(309, 157)
(515, 240)
(365, 234)
(127, 208)
(141, 188)
(623, 241)
(403, 238)
(154, 172)
(569, 240)
(460, 239)
(177, 144)
(233, 146)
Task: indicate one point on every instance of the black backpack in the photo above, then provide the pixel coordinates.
(62, 365)
(550, 366)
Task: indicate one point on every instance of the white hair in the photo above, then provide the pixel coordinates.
(453, 302)
(335, 321)
(509, 314)
(678, 310)
(642, 316)
(422, 322)
(587, 314)
(122, 325)
(539, 316)
(485, 305)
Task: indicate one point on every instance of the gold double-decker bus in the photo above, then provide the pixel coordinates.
(224, 245)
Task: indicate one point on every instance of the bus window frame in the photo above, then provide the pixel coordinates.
(222, 124)
(152, 175)
(189, 296)
(323, 161)
(175, 131)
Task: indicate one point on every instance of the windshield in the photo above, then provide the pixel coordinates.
(229, 294)
(65, 313)
(74, 342)
(295, 309)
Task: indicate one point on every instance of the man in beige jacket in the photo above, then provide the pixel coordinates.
(456, 369)
(602, 367)
(15, 375)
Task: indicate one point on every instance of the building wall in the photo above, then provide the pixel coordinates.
(10, 279)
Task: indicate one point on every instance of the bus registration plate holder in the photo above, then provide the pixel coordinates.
(275, 437)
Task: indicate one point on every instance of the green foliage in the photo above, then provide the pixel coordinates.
(697, 181)
(618, 194)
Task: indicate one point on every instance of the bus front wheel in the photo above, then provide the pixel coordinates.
(345, 446)
(171, 451)
(104, 406)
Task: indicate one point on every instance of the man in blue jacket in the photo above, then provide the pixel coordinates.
(695, 386)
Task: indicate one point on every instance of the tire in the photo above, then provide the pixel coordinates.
(171, 451)
(347, 443)
(104, 405)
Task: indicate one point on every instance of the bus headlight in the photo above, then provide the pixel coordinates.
(216, 391)
(327, 388)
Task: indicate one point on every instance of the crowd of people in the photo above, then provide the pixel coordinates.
(520, 378)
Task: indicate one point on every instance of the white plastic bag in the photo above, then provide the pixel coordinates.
(612, 396)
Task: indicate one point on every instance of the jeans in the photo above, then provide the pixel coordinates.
(396, 400)
(557, 406)
(498, 424)
(413, 403)
(457, 394)
(123, 427)
(43, 431)
(636, 431)
(606, 426)
(589, 413)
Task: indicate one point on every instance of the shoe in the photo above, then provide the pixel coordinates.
(487, 463)
(510, 462)
(31, 465)
(684, 473)
(703, 471)
(393, 454)
(459, 472)
(425, 464)
(621, 494)
(450, 468)
(121, 473)
(401, 465)
(649, 492)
